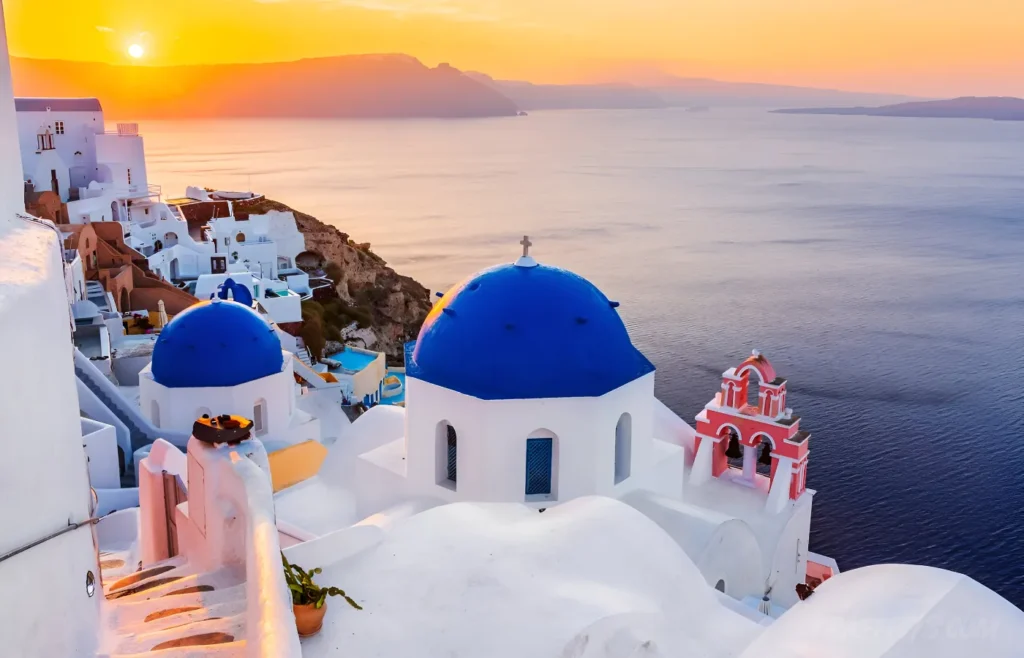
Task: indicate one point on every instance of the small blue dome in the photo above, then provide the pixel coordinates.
(236, 291)
(216, 343)
(512, 332)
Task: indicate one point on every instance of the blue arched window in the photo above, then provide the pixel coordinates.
(541, 457)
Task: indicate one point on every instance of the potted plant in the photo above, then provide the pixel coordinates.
(309, 600)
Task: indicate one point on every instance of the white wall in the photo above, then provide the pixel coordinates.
(41, 169)
(76, 148)
(76, 279)
(492, 441)
(122, 153)
(43, 478)
(788, 554)
(100, 442)
(92, 209)
(723, 548)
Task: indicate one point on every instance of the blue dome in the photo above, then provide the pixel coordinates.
(238, 292)
(216, 343)
(514, 332)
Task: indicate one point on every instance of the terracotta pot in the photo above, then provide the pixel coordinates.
(308, 619)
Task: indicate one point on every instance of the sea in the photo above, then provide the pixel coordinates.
(877, 262)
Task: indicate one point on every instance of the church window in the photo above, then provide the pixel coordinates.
(259, 417)
(58, 127)
(154, 413)
(240, 238)
(623, 447)
(447, 455)
(129, 176)
(539, 463)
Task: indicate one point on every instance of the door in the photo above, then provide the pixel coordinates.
(174, 495)
(538, 466)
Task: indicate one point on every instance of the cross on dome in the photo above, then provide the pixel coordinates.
(526, 260)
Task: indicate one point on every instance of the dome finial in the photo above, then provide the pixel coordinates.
(526, 260)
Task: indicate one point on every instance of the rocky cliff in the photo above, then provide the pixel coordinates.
(392, 306)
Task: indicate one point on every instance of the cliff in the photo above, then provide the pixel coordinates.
(355, 86)
(391, 305)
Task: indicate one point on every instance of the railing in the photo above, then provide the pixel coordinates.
(270, 622)
(124, 129)
(140, 191)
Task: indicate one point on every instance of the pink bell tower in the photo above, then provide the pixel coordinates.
(763, 430)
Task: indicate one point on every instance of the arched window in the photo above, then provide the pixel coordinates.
(446, 454)
(240, 238)
(259, 417)
(720, 586)
(154, 413)
(753, 389)
(541, 465)
(623, 447)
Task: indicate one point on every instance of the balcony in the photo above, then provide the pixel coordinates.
(144, 192)
(124, 130)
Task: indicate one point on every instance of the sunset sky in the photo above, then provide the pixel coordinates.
(926, 47)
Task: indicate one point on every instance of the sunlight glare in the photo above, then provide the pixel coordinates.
(136, 51)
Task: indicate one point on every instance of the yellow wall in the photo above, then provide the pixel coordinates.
(296, 463)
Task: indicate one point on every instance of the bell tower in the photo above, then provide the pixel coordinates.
(761, 431)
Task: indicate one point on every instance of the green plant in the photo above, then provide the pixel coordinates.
(305, 591)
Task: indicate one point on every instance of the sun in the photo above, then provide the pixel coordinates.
(136, 51)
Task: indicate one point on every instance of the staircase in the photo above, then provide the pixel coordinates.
(141, 431)
(304, 356)
(96, 294)
(140, 436)
(171, 609)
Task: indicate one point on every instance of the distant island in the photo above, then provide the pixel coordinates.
(604, 96)
(999, 108)
(386, 86)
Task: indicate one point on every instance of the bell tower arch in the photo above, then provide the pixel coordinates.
(756, 444)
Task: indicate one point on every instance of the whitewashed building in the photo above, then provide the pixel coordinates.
(524, 387)
(65, 148)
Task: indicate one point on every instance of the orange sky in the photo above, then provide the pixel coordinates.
(927, 47)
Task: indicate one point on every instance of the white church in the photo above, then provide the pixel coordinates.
(524, 387)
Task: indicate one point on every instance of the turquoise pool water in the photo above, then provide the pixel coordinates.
(353, 361)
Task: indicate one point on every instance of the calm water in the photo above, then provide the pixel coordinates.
(878, 262)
